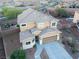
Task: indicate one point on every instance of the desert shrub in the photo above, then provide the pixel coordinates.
(74, 50)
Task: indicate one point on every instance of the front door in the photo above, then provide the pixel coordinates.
(37, 39)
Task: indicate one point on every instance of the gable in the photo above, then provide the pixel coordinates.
(30, 15)
(49, 32)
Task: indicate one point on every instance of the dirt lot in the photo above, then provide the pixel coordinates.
(69, 35)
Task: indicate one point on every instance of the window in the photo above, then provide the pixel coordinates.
(53, 24)
(27, 43)
(23, 24)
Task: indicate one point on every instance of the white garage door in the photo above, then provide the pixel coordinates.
(49, 39)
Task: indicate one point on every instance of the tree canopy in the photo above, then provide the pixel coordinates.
(11, 12)
(18, 54)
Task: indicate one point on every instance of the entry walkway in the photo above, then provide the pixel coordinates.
(39, 49)
(54, 51)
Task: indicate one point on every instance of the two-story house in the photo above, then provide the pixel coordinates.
(76, 19)
(36, 27)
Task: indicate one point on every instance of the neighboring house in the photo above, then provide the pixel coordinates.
(26, 2)
(6, 2)
(41, 27)
(44, 1)
(70, 22)
(76, 19)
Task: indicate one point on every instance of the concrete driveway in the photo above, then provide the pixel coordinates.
(54, 50)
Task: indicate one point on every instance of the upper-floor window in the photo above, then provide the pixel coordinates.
(27, 43)
(53, 24)
(23, 24)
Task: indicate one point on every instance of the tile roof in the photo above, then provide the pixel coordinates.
(54, 50)
(35, 31)
(30, 15)
(49, 32)
(25, 35)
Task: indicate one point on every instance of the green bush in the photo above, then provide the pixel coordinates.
(74, 50)
(18, 54)
(17, 26)
(61, 12)
(11, 13)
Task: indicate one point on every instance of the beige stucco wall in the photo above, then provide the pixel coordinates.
(43, 25)
(28, 26)
(40, 25)
(47, 23)
(76, 17)
(27, 2)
